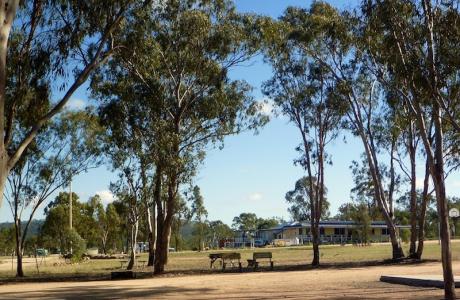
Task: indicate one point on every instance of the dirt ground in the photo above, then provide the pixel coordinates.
(331, 283)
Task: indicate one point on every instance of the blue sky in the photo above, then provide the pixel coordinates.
(253, 172)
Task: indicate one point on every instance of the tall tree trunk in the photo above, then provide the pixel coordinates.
(159, 251)
(315, 233)
(133, 245)
(438, 179)
(397, 251)
(19, 241)
(151, 250)
(413, 196)
(164, 228)
(104, 246)
(19, 251)
(7, 16)
(423, 207)
(151, 237)
(386, 207)
(4, 171)
(19, 269)
(177, 240)
(162, 246)
(159, 221)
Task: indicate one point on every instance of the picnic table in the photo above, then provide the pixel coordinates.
(225, 257)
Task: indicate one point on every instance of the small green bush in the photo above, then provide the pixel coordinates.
(405, 235)
(77, 243)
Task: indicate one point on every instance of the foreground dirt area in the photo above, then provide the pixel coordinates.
(332, 283)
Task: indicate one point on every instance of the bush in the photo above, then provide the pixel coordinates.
(77, 243)
(405, 235)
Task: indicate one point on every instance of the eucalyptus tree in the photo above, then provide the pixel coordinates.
(300, 202)
(48, 50)
(182, 217)
(178, 79)
(107, 222)
(218, 231)
(198, 210)
(414, 49)
(308, 205)
(128, 189)
(409, 142)
(325, 36)
(67, 147)
(245, 222)
(126, 149)
(303, 90)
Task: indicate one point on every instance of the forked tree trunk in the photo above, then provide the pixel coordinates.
(104, 242)
(162, 247)
(164, 227)
(422, 217)
(397, 251)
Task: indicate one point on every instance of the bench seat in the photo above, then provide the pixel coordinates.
(257, 256)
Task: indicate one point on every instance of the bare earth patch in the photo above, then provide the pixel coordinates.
(330, 283)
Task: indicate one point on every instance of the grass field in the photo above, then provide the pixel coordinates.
(198, 262)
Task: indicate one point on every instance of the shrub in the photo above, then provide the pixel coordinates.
(77, 243)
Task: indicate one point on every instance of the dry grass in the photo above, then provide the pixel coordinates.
(198, 262)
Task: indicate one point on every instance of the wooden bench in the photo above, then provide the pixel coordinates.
(138, 262)
(258, 256)
(233, 257)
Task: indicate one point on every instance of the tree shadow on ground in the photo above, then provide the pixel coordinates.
(101, 292)
(140, 291)
(265, 267)
(147, 273)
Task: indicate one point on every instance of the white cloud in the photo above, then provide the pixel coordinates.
(255, 196)
(76, 104)
(106, 196)
(266, 106)
(419, 183)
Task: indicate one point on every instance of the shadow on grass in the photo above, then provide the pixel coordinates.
(305, 267)
(145, 273)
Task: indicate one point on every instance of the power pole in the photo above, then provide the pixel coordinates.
(70, 211)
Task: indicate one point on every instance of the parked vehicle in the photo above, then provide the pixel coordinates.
(42, 252)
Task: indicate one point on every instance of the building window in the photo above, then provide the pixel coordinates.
(373, 231)
(385, 231)
(321, 231)
(300, 231)
(339, 231)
